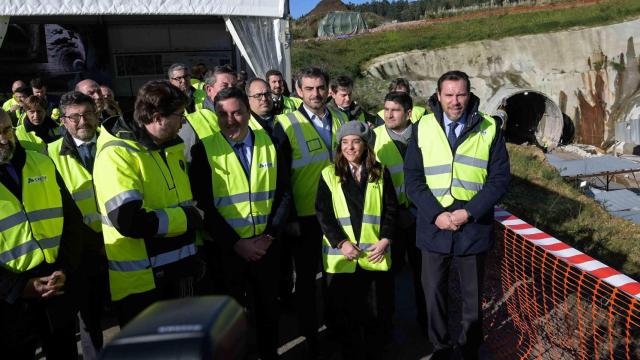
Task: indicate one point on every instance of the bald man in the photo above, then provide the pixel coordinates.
(92, 89)
(12, 105)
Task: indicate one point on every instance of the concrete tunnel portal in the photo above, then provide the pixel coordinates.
(530, 116)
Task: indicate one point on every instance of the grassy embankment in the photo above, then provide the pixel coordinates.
(541, 197)
(349, 56)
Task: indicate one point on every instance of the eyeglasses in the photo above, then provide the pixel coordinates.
(181, 78)
(75, 118)
(260, 95)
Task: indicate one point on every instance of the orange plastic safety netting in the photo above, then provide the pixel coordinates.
(547, 300)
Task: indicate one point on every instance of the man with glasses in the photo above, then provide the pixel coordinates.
(74, 155)
(148, 216)
(180, 77)
(260, 103)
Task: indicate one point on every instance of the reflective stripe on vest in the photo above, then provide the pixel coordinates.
(332, 259)
(309, 156)
(32, 229)
(79, 182)
(204, 122)
(387, 154)
(461, 176)
(245, 205)
(154, 261)
(127, 172)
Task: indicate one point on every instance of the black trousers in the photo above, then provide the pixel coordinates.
(435, 276)
(307, 250)
(51, 322)
(92, 296)
(404, 248)
(254, 284)
(362, 302)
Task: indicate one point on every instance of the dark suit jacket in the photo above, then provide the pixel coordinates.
(476, 236)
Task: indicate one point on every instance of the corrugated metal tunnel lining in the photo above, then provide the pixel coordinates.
(531, 116)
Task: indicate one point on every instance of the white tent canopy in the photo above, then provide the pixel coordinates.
(257, 26)
(266, 8)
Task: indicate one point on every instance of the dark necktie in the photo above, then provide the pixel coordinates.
(86, 154)
(452, 137)
(239, 149)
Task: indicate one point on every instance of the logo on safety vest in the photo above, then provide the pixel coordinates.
(41, 178)
(265, 165)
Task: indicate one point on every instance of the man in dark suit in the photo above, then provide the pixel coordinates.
(456, 169)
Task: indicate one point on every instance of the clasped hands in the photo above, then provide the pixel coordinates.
(452, 220)
(376, 251)
(46, 286)
(253, 249)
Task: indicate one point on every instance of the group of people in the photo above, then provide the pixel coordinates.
(211, 187)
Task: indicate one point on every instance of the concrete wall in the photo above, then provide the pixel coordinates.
(592, 74)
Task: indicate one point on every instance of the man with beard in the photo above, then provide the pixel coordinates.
(143, 193)
(180, 77)
(456, 169)
(307, 137)
(74, 155)
(38, 129)
(281, 103)
(204, 122)
(38, 222)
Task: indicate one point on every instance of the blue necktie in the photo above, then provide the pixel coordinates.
(239, 149)
(86, 154)
(452, 137)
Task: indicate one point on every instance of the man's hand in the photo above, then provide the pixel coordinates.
(349, 251)
(14, 108)
(264, 241)
(46, 286)
(248, 249)
(444, 221)
(377, 250)
(460, 217)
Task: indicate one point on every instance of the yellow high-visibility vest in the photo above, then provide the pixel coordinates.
(332, 259)
(31, 229)
(79, 182)
(125, 171)
(245, 205)
(388, 155)
(460, 176)
(309, 156)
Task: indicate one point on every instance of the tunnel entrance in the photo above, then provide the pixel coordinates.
(529, 117)
(524, 111)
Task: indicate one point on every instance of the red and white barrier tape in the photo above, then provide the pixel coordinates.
(565, 252)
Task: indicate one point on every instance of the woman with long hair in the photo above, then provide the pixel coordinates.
(356, 206)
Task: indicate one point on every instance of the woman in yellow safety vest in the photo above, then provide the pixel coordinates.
(356, 206)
